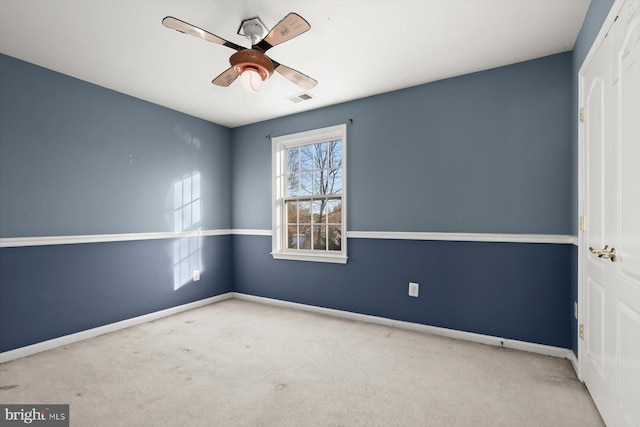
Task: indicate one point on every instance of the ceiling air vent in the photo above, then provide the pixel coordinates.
(301, 97)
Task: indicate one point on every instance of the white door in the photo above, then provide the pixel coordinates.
(610, 286)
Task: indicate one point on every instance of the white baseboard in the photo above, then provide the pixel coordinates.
(574, 362)
(101, 330)
(434, 330)
(417, 327)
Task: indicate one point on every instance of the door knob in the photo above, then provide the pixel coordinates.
(605, 252)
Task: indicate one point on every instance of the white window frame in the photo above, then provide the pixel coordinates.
(279, 146)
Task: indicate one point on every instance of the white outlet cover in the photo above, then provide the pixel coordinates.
(414, 289)
(196, 275)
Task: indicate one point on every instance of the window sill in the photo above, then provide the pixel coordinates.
(336, 259)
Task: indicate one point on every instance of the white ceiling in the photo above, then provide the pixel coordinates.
(354, 48)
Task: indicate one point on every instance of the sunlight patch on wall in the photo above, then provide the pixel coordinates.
(187, 251)
(187, 137)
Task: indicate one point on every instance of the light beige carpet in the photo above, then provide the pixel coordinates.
(237, 363)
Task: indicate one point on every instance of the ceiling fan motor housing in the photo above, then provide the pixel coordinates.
(252, 59)
(253, 29)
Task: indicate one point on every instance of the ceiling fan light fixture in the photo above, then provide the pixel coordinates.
(251, 80)
(253, 67)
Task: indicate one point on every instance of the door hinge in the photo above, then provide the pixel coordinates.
(582, 225)
(581, 115)
(581, 331)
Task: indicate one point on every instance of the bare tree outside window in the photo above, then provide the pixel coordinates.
(314, 196)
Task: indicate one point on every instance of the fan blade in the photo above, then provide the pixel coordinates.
(302, 80)
(186, 28)
(225, 78)
(291, 26)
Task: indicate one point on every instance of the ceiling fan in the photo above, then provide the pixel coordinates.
(252, 65)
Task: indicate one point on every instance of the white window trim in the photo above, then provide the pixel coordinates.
(278, 172)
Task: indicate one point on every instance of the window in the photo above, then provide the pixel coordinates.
(309, 195)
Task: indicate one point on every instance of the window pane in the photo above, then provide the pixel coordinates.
(319, 211)
(293, 184)
(334, 238)
(304, 212)
(306, 158)
(292, 212)
(292, 237)
(320, 237)
(320, 155)
(335, 181)
(320, 182)
(304, 238)
(334, 211)
(306, 184)
(335, 154)
(293, 160)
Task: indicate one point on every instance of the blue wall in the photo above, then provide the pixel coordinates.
(488, 152)
(596, 14)
(78, 159)
(510, 290)
(50, 291)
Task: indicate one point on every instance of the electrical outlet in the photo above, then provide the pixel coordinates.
(414, 288)
(575, 310)
(196, 275)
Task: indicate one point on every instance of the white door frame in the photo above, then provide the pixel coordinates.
(582, 178)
